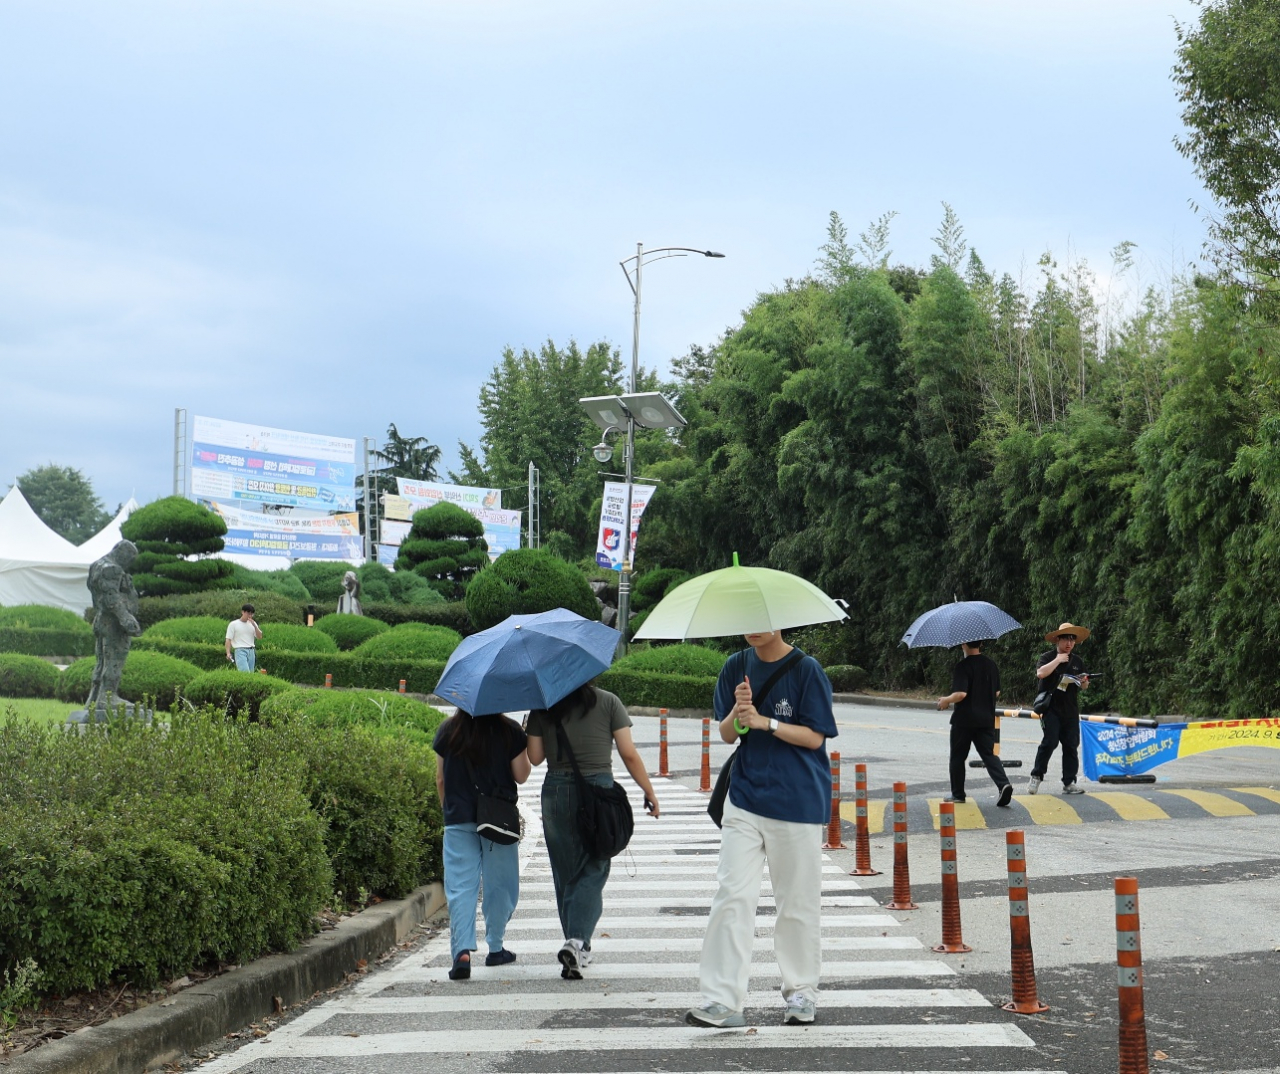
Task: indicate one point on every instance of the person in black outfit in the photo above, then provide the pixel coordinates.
(975, 685)
(1061, 671)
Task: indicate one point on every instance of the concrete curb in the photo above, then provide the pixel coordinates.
(160, 1033)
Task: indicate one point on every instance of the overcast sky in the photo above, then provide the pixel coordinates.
(328, 216)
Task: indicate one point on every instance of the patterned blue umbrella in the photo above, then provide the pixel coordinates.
(961, 620)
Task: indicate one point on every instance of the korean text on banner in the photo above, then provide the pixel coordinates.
(612, 509)
(1123, 751)
(501, 528)
(251, 533)
(427, 493)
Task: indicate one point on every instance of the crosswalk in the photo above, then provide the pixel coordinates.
(887, 1003)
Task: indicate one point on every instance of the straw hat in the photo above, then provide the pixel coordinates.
(1081, 633)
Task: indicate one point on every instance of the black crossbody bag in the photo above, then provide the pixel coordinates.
(715, 807)
(497, 814)
(605, 820)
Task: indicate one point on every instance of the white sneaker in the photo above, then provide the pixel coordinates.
(1033, 784)
(800, 1010)
(571, 958)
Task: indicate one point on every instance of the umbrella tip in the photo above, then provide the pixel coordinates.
(735, 559)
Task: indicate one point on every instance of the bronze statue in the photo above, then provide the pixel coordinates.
(115, 623)
(349, 602)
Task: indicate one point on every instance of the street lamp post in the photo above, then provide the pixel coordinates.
(640, 259)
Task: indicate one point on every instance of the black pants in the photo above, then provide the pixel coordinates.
(983, 739)
(1059, 729)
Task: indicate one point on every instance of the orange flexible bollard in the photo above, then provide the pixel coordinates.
(901, 868)
(862, 836)
(952, 941)
(1133, 1016)
(833, 826)
(402, 686)
(663, 770)
(705, 785)
(328, 681)
(1025, 1000)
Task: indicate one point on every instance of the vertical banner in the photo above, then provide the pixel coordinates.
(612, 510)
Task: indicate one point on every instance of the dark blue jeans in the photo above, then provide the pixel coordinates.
(579, 880)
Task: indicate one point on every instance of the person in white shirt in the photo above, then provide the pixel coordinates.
(242, 634)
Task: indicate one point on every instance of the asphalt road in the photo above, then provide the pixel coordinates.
(1209, 888)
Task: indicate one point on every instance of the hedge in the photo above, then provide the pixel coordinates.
(381, 710)
(26, 676)
(526, 580)
(684, 659)
(210, 631)
(348, 631)
(144, 851)
(284, 583)
(222, 604)
(43, 617)
(845, 678)
(375, 582)
(153, 675)
(411, 641)
(659, 690)
(43, 641)
(234, 692)
(322, 579)
(437, 613)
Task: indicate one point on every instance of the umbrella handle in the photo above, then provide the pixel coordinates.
(741, 728)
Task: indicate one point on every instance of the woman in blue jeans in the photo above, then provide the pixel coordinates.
(478, 753)
(594, 721)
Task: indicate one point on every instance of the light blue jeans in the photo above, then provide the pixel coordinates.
(468, 859)
(246, 657)
(579, 880)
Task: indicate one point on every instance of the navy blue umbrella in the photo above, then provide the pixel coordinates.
(961, 620)
(526, 662)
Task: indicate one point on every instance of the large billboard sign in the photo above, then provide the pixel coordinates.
(252, 533)
(231, 462)
(501, 528)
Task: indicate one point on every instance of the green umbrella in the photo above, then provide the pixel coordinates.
(738, 600)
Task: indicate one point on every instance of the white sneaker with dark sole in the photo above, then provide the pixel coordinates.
(800, 1011)
(1033, 784)
(1071, 788)
(1006, 795)
(572, 960)
(715, 1016)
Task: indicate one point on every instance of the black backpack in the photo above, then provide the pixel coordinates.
(605, 820)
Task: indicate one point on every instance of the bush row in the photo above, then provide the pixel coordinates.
(26, 676)
(45, 641)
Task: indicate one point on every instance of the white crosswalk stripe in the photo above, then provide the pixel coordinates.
(643, 977)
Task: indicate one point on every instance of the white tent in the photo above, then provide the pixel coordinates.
(38, 566)
(108, 537)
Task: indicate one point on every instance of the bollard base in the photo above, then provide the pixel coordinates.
(1003, 764)
(901, 906)
(834, 846)
(1146, 778)
(1013, 1007)
(865, 872)
(952, 949)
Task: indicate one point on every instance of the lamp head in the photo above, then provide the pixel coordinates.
(711, 253)
(602, 452)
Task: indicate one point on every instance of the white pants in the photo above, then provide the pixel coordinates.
(794, 854)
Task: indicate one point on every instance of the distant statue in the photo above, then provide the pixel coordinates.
(349, 602)
(115, 623)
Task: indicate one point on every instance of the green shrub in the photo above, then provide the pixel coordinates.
(846, 678)
(42, 641)
(381, 710)
(348, 631)
(168, 530)
(375, 582)
(285, 583)
(290, 638)
(146, 675)
(683, 659)
(43, 617)
(26, 676)
(222, 604)
(437, 613)
(410, 588)
(659, 690)
(652, 586)
(416, 641)
(322, 579)
(201, 628)
(140, 852)
(526, 580)
(446, 546)
(234, 692)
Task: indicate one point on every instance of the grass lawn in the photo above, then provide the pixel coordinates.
(34, 708)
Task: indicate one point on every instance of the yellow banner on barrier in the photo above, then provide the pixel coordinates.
(1219, 734)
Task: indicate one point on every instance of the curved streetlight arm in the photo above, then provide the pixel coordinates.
(665, 251)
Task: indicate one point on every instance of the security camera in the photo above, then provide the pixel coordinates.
(602, 451)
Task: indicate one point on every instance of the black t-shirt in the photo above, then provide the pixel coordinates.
(493, 775)
(1065, 701)
(979, 678)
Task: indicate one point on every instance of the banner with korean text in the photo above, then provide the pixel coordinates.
(501, 527)
(252, 533)
(613, 509)
(1107, 750)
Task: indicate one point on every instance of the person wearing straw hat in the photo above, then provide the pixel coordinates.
(1061, 671)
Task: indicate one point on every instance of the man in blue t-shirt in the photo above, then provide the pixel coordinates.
(779, 800)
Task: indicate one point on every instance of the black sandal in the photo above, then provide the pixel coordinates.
(461, 967)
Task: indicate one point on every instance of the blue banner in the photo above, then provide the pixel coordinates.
(230, 474)
(1107, 750)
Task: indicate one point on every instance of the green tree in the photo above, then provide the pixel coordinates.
(65, 501)
(412, 457)
(174, 538)
(446, 546)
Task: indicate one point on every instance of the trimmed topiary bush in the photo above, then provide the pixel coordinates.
(26, 676)
(289, 638)
(685, 659)
(234, 692)
(375, 582)
(38, 630)
(438, 613)
(222, 604)
(846, 678)
(348, 631)
(43, 617)
(202, 628)
(167, 531)
(416, 641)
(410, 588)
(526, 580)
(322, 579)
(284, 582)
(146, 675)
(652, 586)
(446, 546)
(659, 690)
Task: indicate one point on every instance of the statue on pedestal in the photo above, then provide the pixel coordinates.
(115, 623)
(349, 602)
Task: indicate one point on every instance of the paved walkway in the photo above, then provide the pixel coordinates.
(887, 1002)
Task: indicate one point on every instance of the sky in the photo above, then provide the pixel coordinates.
(331, 215)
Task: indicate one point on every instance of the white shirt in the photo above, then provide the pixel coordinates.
(241, 634)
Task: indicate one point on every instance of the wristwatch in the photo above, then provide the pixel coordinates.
(773, 725)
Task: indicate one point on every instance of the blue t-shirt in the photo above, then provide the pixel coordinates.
(773, 778)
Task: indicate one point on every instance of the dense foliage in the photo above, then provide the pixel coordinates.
(445, 546)
(526, 580)
(26, 676)
(152, 676)
(348, 631)
(168, 532)
(64, 500)
(411, 641)
(233, 692)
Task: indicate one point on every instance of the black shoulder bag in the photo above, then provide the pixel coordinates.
(497, 814)
(605, 820)
(715, 807)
